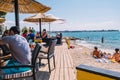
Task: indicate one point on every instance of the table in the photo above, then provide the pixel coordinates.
(32, 45)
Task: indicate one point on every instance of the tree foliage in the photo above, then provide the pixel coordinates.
(24, 29)
(2, 14)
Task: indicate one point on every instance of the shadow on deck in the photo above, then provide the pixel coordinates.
(64, 69)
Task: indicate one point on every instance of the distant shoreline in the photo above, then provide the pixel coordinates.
(89, 31)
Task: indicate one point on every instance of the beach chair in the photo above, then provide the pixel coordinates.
(49, 54)
(68, 42)
(23, 75)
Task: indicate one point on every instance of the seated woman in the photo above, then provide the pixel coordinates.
(44, 34)
(37, 38)
(116, 55)
(25, 33)
(45, 37)
(6, 33)
(96, 53)
(4, 47)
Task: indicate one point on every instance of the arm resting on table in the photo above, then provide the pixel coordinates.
(17, 66)
(6, 57)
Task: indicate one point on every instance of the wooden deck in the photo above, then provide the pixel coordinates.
(64, 66)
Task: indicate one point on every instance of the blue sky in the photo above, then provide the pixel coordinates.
(79, 15)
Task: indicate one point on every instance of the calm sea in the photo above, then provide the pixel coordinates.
(111, 39)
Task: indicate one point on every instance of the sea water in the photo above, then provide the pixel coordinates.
(111, 39)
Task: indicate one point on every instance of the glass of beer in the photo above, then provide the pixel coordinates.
(40, 40)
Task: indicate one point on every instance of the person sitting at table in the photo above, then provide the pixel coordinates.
(25, 33)
(30, 36)
(5, 48)
(20, 51)
(37, 38)
(6, 33)
(45, 37)
(44, 34)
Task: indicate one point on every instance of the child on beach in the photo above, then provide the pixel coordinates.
(107, 55)
(116, 55)
(99, 56)
(96, 53)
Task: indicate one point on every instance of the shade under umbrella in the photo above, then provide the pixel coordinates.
(2, 20)
(22, 6)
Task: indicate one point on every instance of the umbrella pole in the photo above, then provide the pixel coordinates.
(40, 26)
(49, 28)
(16, 13)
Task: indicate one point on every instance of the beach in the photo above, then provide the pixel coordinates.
(82, 55)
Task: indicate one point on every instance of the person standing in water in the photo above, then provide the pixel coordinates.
(102, 40)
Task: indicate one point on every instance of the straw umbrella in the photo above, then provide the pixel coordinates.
(22, 6)
(2, 20)
(36, 18)
(51, 18)
(41, 18)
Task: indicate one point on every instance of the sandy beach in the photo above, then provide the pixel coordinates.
(82, 55)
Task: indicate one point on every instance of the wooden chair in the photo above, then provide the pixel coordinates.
(49, 54)
(23, 75)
